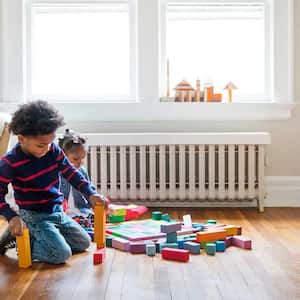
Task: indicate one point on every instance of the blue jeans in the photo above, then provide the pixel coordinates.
(54, 237)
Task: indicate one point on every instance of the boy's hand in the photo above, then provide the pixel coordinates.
(16, 226)
(98, 199)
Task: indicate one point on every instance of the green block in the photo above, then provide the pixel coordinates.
(116, 219)
(166, 217)
(156, 215)
(211, 222)
(150, 250)
(210, 248)
(203, 244)
(172, 237)
(119, 212)
(108, 241)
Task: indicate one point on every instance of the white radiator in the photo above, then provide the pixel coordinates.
(180, 169)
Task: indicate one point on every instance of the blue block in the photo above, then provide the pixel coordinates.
(211, 248)
(166, 217)
(180, 244)
(108, 241)
(150, 250)
(172, 237)
(194, 248)
(220, 246)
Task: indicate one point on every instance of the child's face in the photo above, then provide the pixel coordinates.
(76, 156)
(37, 146)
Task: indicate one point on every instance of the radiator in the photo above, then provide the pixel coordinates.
(180, 169)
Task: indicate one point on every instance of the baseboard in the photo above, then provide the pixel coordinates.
(283, 191)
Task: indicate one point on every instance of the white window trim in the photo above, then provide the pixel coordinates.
(149, 55)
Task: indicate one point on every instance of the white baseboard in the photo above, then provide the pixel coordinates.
(283, 191)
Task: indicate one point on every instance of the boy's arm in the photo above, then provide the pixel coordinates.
(6, 175)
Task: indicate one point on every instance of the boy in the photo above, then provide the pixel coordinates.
(34, 167)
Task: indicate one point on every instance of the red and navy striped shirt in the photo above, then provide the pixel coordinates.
(36, 181)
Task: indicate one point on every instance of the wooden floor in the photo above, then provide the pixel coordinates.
(270, 271)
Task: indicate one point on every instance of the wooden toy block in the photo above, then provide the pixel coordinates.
(99, 256)
(24, 251)
(220, 246)
(228, 241)
(172, 227)
(118, 211)
(205, 236)
(241, 242)
(198, 226)
(116, 219)
(168, 245)
(121, 244)
(166, 217)
(203, 244)
(139, 247)
(194, 248)
(108, 241)
(217, 97)
(210, 248)
(175, 254)
(180, 244)
(150, 250)
(172, 237)
(211, 222)
(156, 215)
(208, 94)
(99, 226)
(232, 229)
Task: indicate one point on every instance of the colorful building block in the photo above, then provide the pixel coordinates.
(172, 237)
(108, 240)
(194, 248)
(168, 245)
(24, 251)
(166, 217)
(210, 248)
(172, 227)
(99, 226)
(232, 229)
(180, 244)
(205, 236)
(175, 254)
(211, 221)
(150, 249)
(117, 210)
(228, 241)
(241, 242)
(121, 244)
(99, 256)
(220, 246)
(203, 244)
(156, 215)
(116, 219)
(139, 247)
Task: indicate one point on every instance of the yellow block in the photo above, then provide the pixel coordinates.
(99, 226)
(232, 229)
(24, 251)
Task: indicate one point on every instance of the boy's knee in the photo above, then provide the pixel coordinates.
(62, 255)
(84, 243)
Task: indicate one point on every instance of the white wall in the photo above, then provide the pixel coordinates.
(284, 153)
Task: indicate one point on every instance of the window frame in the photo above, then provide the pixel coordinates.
(148, 107)
(132, 97)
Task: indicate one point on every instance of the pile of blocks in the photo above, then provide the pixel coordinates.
(209, 237)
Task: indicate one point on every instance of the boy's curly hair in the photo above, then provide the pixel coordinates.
(36, 118)
(70, 141)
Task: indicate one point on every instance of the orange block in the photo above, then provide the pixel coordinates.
(211, 235)
(99, 226)
(209, 94)
(217, 97)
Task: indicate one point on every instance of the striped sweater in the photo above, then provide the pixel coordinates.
(36, 181)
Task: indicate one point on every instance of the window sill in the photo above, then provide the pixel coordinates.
(169, 111)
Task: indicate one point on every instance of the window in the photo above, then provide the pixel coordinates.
(219, 42)
(81, 51)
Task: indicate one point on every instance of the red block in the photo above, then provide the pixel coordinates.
(99, 256)
(175, 254)
(242, 242)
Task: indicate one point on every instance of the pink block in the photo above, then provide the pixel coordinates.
(120, 244)
(99, 256)
(228, 241)
(241, 242)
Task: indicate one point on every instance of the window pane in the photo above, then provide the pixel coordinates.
(81, 51)
(219, 43)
